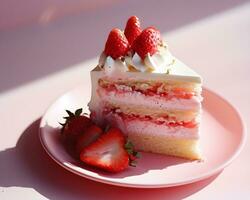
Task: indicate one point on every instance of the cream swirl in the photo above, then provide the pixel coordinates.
(112, 66)
(160, 62)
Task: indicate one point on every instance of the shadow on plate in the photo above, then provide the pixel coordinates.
(157, 162)
(27, 165)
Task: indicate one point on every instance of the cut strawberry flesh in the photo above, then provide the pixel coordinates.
(88, 137)
(107, 152)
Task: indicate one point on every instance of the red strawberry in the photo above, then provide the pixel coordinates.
(133, 29)
(107, 152)
(74, 125)
(90, 135)
(117, 44)
(147, 42)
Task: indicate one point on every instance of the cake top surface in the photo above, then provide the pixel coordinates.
(141, 53)
(179, 72)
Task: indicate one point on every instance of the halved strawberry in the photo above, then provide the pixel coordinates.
(117, 44)
(74, 125)
(147, 42)
(107, 152)
(90, 135)
(133, 29)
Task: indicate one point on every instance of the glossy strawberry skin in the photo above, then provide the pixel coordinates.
(133, 29)
(117, 44)
(107, 152)
(90, 135)
(147, 42)
(75, 127)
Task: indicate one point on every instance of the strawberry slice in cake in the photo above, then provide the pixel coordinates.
(141, 88)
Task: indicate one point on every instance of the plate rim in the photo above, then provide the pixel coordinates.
(132, 185)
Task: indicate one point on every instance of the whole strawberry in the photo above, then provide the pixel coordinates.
(74, 125)
(147, 42)
(133, 29)
(117, 44)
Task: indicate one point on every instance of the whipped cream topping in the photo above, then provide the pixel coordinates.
(112, 66)
(160, 62)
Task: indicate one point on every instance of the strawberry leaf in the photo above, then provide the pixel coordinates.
(78, 112)
(130, 151)
(129, 147)
(107, 128)
(70, 113)
(62, 124)
(137, 154)
(133, 163)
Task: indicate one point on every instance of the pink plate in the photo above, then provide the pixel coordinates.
(222, 138)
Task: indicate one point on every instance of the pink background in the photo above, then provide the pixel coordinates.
(46, 46)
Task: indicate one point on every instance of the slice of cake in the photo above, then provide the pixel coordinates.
(146, 92)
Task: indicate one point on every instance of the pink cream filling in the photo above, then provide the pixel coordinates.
(164, 121)
(151, 128)
(139, 99)
(152, 91)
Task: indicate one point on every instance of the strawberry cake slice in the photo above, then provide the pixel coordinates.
(141, 88)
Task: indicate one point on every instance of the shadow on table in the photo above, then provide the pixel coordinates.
(28, 165)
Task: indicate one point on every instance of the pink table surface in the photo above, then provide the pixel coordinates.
(217, 46)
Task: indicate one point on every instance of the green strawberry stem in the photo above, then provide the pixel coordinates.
(129, 147)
